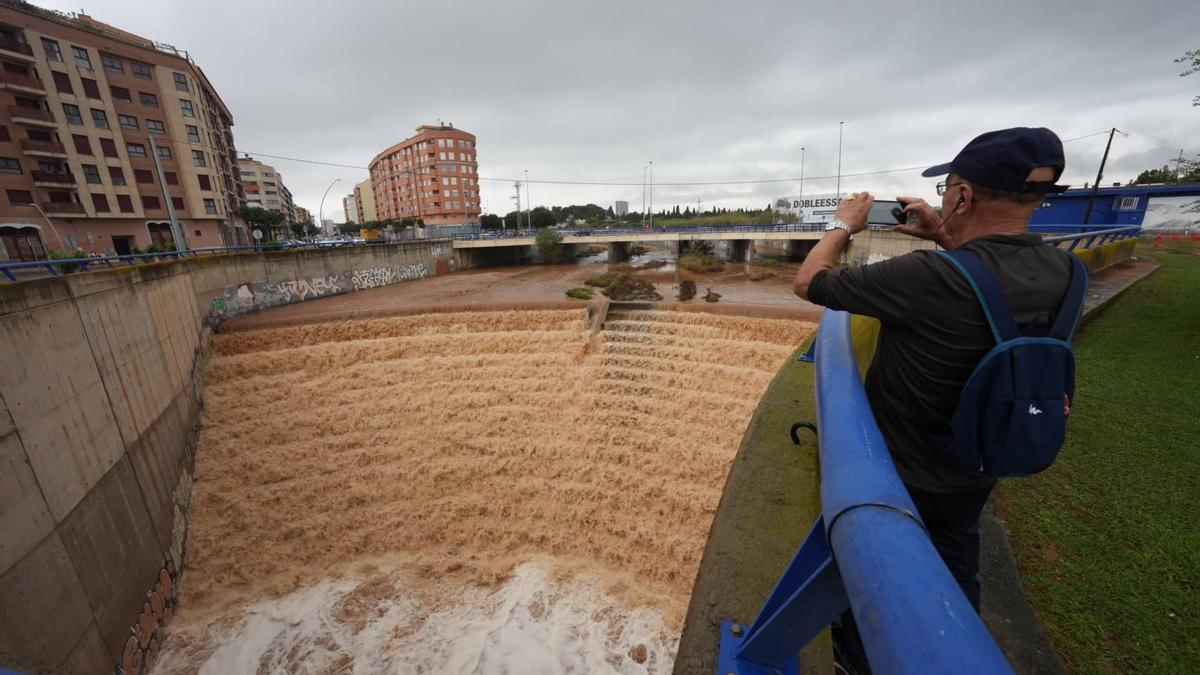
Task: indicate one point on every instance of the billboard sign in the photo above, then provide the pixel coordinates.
(813, 208)
(1172, 213)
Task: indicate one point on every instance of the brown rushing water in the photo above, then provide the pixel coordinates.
(360, 484)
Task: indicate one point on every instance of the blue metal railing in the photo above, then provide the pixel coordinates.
(55, 266)
(868, 551)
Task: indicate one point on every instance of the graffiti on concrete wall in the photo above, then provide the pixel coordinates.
(145, 639)
(305, 288)
(382, 276)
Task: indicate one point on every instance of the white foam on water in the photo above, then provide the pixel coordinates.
(531, 624)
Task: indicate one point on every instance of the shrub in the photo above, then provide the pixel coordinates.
(687, 289)
(601, 280)
(67, 268)
(625, 286)
(580, 293)
(770, 263)
(549, 243)
(700, 263)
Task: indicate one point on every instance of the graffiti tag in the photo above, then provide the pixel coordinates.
(382, 276)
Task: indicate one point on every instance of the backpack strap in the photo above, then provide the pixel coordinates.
(1072, 306)
(987, 289)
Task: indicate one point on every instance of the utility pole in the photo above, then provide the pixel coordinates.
(177, 232)
(652, 194)
(517, 187)
(1177, 163)
(841, 125)
(528, 202)
(1087, 215)
(800, 208)
(644, 169)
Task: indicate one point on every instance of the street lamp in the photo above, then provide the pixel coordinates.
(47, 218)
(321, 209)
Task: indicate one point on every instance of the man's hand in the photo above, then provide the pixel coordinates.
(854, 209)
(928, 223)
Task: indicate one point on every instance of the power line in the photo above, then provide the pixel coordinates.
(615, 183)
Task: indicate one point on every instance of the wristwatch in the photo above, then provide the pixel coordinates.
(837, 225)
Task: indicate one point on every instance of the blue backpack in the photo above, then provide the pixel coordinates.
(1011, 419)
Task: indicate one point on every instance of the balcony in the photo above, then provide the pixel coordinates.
(62, 207)
(33, 117)
(47, 179)
(16, 49)
(17, 82)
(43, 148)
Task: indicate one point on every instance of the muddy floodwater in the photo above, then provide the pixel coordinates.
(462, 492)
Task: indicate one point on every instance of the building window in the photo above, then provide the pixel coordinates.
(117, 175)
(82, 146)
(193, 134)
(112, 64)
(100, 202)
(181, 82)
(19, 197)
(177, 202)
(10, 165)
(150, 202)
(164, 151)
(172, 177)
(186, 106)
(62, 82)
(148, 99)
(198, 158)
(82, 59)
(140, 69)
(108, 147)
(249, 173)
(90, 88)
(53, 53)
(1127, 203)
(155, 126)
(127, 121)
(205, 183)
(121, 94)
(99, 118)
(91, 173)
(4, 133)
(210, 206)
(125, 203)
(136, 150)
(72, 114)
(143, 175)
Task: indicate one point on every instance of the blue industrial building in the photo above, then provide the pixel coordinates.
(1154, 206)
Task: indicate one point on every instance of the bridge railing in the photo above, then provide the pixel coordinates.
(868, 551)
(1090, 237)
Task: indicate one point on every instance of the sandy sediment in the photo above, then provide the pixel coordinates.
(454, 447)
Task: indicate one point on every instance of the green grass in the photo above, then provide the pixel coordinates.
(580, 293)
(1108, 539)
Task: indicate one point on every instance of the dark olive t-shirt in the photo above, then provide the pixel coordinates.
(934, 334)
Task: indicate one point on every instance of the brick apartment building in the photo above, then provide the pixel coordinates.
(263, 187)
(364, 198)
(85, 110)
(432, 175)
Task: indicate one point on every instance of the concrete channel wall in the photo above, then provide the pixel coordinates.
(98, 382)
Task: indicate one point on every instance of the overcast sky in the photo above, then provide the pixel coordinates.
(708, 91)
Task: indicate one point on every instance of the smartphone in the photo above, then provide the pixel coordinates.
(887, 213)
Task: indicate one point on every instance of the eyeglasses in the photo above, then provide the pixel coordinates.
(942, 187)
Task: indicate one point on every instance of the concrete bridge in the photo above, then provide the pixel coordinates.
(733, 243)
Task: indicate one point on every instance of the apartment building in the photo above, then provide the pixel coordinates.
(350, 209)
(364, 196)
(432, 175)
(303, 215)
(264, 188)
(103, 134)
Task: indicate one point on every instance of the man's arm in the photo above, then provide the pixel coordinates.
(853, 212)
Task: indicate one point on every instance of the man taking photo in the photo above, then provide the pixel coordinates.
(934, 330)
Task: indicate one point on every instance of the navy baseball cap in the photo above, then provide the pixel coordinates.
(1002, 160)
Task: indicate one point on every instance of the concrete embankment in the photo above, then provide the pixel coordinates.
(98, 377)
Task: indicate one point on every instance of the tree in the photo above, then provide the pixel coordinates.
(511, 220)
(261, 218)
(541, 217)
(346, 228)
(549, 243)
(1189, 172)
(491, 221)
(611, 213)
(1192, 59)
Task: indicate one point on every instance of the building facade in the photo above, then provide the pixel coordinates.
(103, 134)
(621, 209)
(364, 195)
(303, 215)
(433, 176)
(350, 209)
(264, 188)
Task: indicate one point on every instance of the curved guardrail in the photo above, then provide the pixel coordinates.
(868, 551)
(1093, 237)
